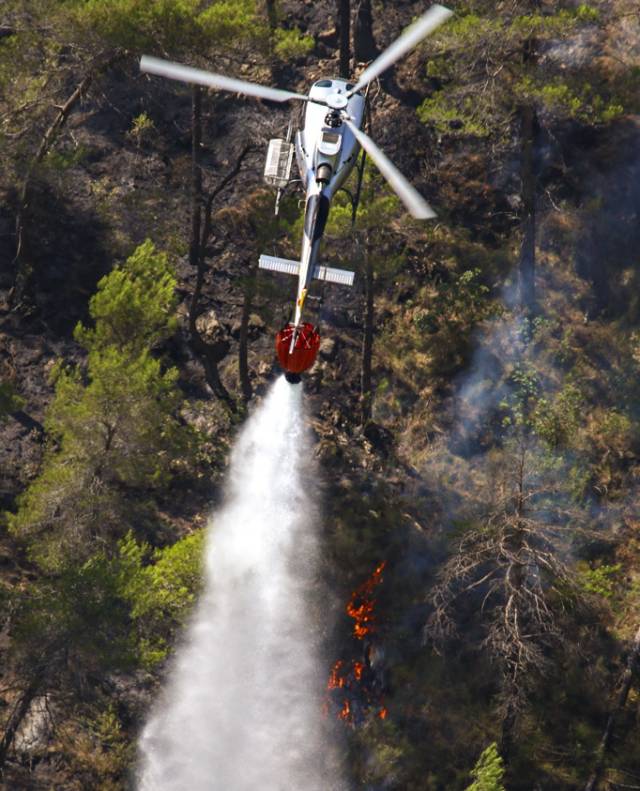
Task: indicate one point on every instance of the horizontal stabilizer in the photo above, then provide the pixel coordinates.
(289, 267)
(342, 276)
(276, 264)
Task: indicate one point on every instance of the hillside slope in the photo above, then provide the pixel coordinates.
(494, 466)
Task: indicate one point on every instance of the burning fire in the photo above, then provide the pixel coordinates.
(336, 681)
(361, 604)
(357, 680)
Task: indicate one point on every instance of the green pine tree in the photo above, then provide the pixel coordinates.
(486, 64)
(115, 439)
(488, 772)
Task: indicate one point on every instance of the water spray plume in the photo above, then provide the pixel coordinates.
(242, 707)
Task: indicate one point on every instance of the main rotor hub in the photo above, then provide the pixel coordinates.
(333, 119)
(337, 101)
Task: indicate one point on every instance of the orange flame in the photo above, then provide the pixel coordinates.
(336, 680)
(350, 677)
(361, 605)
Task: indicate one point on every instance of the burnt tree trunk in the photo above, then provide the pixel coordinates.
(527, 269)
(243, 348)
(528, 125)
(209, 353)
(196, 182)
(514, 541)
(272, 20)
(344, 31)
(22, 260)
(42, 674)
(272, 14)
(510, 687)
(620, 702)
(20, 711)
(367, 341)
(364, 45)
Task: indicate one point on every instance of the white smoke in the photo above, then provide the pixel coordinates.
(242, 709)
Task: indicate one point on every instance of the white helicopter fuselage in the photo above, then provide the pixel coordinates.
(317, 143)
(326, 154)
(327, 149)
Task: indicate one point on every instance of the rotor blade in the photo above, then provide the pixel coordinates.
(426, 24)
(412, 199)
(175, 71)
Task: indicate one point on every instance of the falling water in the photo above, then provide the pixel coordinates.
(241, 710)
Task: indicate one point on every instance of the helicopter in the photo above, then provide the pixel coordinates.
(327, 149)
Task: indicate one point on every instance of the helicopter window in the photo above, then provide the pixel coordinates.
(323, 84)
(330, 137)
(350, 85)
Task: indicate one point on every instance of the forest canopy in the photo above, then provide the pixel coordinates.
(474, 404)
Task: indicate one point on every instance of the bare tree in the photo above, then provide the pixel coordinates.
(47, 656)
(22, 260)
(272, 14)
(364, 45)
(528, 124)
(16, 717)
(624, 687)
(510, 569)
(344, 30)
(243, 343)
(367, 338)
(210, 353)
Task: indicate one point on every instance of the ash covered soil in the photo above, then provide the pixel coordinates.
(450, 366)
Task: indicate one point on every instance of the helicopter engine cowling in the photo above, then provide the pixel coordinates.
(305, 349)
(320, 142)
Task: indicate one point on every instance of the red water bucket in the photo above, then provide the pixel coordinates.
(304, 351)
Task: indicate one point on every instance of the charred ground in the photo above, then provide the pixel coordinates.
(498, 431)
